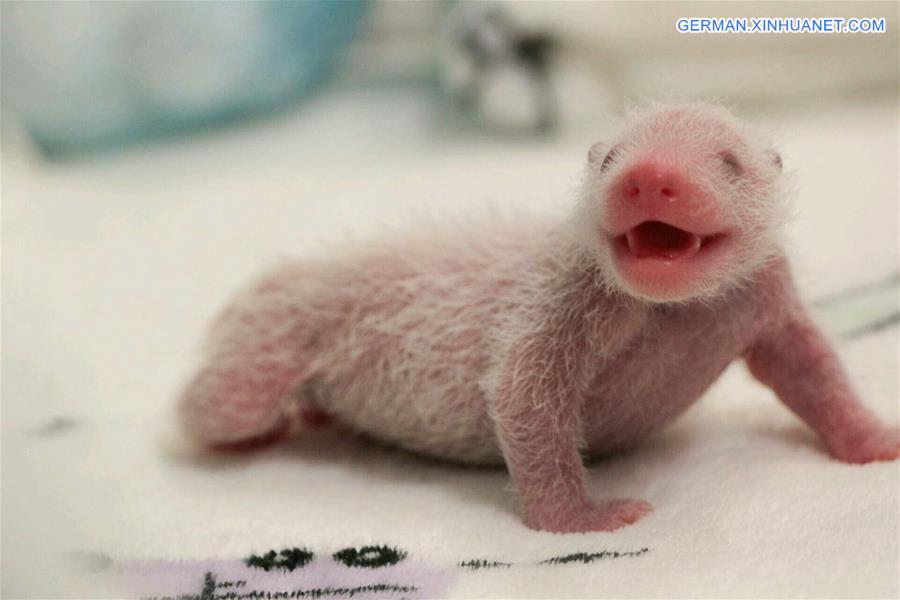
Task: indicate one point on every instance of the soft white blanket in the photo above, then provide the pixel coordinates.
(111, 269)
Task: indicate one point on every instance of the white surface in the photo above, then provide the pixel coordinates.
(111, 269)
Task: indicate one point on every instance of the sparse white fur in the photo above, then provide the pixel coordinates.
(519, 341)
(410, 332)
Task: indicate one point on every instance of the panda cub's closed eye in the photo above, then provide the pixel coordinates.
(731, 163)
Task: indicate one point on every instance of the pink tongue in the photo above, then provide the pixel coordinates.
(654, 238)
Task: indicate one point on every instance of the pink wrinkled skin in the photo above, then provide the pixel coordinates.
(533, 343)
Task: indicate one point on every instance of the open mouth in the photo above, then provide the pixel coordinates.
(661, 261)
(655, 239)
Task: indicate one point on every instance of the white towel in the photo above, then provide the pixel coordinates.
(112, 269)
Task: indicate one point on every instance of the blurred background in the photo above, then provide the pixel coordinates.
(83, 77)
(155, 154)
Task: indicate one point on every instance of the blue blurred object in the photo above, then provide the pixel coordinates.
(89, 75)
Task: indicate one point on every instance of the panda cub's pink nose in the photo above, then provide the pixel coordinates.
(651, 183)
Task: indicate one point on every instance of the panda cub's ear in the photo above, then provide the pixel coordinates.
(599, 156)
(597, 153)
(776, 159)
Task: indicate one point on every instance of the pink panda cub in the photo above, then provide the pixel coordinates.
(535, 342)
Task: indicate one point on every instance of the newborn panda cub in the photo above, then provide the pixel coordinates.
(534, 343)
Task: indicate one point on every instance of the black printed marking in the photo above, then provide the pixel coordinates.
(209, 587)
(286, 560)
(585, 557)
(56, 426)
(480, 563)
(366, 556)
(348, 592)
(370, 557)
(231, 584)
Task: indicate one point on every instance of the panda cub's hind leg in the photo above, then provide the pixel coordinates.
(259, 353)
